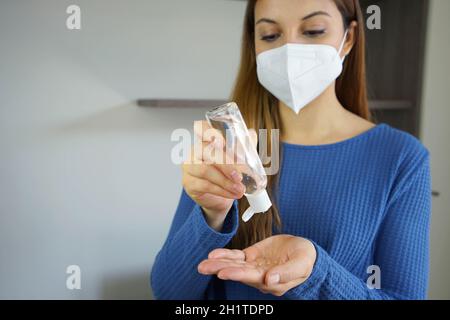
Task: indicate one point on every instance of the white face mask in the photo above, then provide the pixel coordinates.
(298, 73)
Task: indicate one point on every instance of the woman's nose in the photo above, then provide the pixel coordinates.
(292, 36)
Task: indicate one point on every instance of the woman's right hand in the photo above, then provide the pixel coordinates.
(208, 178)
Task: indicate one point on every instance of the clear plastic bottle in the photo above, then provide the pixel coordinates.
(228, 120)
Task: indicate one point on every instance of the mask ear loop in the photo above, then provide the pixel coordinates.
(342, 46)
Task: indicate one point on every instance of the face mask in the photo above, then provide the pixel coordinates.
(298, 73)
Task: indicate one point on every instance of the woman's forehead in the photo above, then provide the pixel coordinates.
(292, 9)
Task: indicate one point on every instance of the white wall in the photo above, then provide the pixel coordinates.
(436, 135)
(85, 175)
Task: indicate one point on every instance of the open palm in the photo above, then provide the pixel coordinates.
(273, 265)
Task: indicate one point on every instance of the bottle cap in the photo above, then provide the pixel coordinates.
(259, 202)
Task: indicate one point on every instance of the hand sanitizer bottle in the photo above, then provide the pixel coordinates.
(228, 120)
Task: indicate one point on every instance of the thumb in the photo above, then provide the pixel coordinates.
(291, 270)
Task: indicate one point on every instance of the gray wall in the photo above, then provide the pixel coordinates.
(436, 134)
(86, 176)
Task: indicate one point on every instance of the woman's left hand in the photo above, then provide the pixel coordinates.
(273, 265)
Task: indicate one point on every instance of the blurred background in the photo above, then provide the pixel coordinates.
(86, 176)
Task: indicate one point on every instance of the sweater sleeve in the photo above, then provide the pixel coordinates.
(174, 274)
(401, 248)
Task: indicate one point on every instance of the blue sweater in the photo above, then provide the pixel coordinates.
(364, 201)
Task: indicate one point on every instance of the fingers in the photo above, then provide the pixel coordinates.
(242, 273)
(206, 133)
(273, 265)
(233, 254)
(289, 271)
(232, 269)
(199, 187)
(201, 178)
(211, 150)
(280, 289)
(215, 176)
(297, 268)
(209, 140)
(213, 266)
(253, 252)
(223, 161)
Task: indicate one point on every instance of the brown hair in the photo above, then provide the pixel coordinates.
(260, 108)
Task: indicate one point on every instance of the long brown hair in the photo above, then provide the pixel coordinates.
(260, 108)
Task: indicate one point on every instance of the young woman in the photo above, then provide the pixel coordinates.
(351, 202)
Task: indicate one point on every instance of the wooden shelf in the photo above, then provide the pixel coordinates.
(198, 103)
(390, 104)
(179, 103)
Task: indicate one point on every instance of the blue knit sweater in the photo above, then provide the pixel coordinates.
(364, 201)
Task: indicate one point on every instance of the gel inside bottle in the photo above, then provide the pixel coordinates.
(228, 120)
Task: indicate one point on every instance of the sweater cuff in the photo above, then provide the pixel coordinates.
(211, 237)
(310, 289)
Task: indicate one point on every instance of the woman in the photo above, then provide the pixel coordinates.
(351, 209)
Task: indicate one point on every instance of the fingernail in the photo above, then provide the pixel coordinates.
(221, 276)
(274, 279)
(236, 176)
